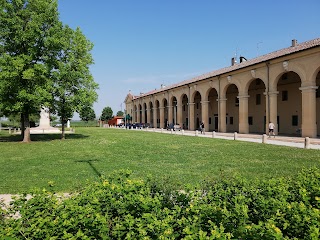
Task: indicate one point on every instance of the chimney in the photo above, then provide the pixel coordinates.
(242, 59)
(294, 42)
(233, 61)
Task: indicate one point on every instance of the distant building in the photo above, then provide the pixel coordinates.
(280, 87)
(116, 121)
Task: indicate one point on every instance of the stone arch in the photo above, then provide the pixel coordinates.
(144, 115)
(213, 109)
(289, 103)
(317, 81)
(165, 115)
(256, 106)
(185, 110)
(150, 121)
(197, 109)
(173, 103)
(135, 112)
(232, 108)
(157, 109)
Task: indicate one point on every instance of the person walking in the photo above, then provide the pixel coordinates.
(202, 128)
(271, 129)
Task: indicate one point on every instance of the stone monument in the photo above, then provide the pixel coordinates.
(44, 123)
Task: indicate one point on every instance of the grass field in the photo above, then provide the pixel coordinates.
(170, 159)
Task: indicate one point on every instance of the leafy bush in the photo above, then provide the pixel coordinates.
(120, 207)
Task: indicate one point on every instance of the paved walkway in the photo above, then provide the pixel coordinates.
(298, 142)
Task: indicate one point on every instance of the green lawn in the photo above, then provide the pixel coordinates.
(171, 159)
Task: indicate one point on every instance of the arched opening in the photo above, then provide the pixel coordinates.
(185, 112)
(145, 113)
(140, 114)
(166, 119)
(289, 104)
(157, 104)
(174, 109)
(213, 113)
(151, 114)
(232, 109)
(318, 103)
(257, 107)
(135, 110)
(197, 110)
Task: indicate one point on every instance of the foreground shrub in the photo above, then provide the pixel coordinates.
(120, 207)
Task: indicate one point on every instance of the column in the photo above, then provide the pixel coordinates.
(155, 111)
(143, 115)
(222, 114)
(204, 114)
(273, 105)
(243, 114)
(191, 116)
(162, 123)
(148, 115)
(170, 118)
(138, 115)
(309, 117)
(179, 115)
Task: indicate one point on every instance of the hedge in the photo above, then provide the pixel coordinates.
(121, 207)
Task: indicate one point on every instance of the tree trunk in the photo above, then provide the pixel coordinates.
(63, 134)
(26, 136)
(22, 124)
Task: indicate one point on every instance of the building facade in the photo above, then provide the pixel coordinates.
(279, 87)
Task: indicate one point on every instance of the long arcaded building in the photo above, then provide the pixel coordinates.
(279, 87)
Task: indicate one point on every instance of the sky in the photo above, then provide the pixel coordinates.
(141, 44)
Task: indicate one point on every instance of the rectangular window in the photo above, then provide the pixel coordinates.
(209, 120)
(231, 120)
(237, 102)
(226, 120)
(285, 95)
(197, 105)
(250, 120)
(295, 120)
(258, 99)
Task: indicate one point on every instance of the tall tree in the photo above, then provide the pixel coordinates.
(74, 87)
(120, 114)
(106, 114)
(87, 114)
(27, 38)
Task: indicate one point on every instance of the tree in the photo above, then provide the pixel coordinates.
(27, 39)
(106, 114)
(120, 113)
(74, 88)
(87, 114)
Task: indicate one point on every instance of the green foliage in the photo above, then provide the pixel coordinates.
(87, 114)
(106, 114)
(123, 207)
(27, 30)
(120, 114)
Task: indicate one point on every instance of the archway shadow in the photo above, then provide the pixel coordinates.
(89, 162)
(41, 137)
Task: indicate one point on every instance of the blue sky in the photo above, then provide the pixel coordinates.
(141, 44)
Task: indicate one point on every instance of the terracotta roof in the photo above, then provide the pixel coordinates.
(273, 55)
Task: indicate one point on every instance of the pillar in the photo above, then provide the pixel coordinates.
(170, 116)
(309, 125)
(243, 114)
(205, 114)
(222, 114)
(148, 115)
(155, 111)
(273, 105)
(162, 123)
(179, 114)
(191, 116)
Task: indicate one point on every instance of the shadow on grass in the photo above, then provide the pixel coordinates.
(89, 162)
(40, 137)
